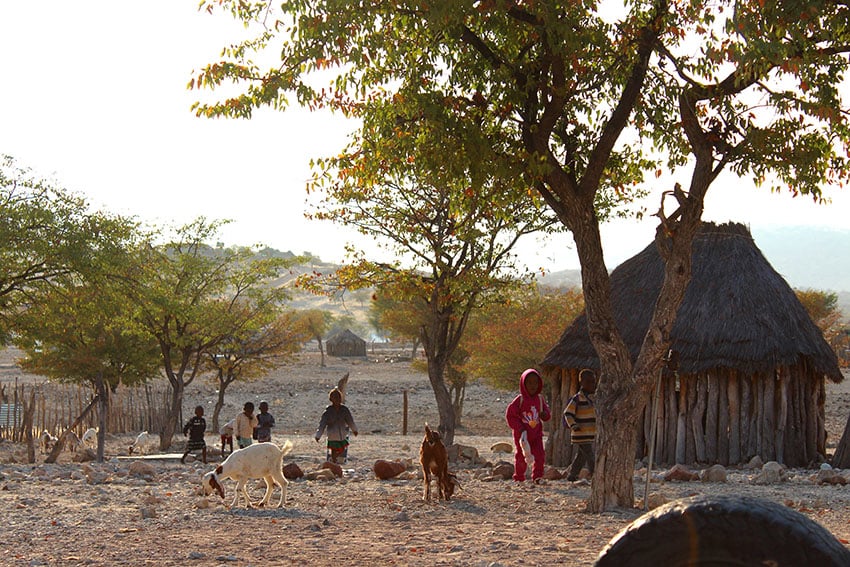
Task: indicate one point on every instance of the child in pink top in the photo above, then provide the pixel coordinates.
(525, 416)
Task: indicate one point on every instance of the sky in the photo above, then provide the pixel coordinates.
(93, 95)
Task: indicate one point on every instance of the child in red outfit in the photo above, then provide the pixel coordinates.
(526, 414)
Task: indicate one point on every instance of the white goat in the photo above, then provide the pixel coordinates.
(143, 441)
(260, 460)
(47, 441)
(90, 438)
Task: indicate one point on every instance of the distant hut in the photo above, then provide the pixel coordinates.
(346, 343)
(752, 364)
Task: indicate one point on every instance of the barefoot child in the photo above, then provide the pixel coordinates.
(195, 429)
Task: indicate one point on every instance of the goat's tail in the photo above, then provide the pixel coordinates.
(427, 429)
(286, 448)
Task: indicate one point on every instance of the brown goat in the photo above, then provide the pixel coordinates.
(435, 460)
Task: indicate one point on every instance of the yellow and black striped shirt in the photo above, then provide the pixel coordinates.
(580, 418)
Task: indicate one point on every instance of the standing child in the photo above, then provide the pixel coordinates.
(265, 422)
(243, 428)
(525, 416)
(580, 418)
(195, 429)
(226, 433)
(337, 419)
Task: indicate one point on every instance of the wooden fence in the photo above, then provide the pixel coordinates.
(57, 405)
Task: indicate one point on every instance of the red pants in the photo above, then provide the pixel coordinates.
(537, 451)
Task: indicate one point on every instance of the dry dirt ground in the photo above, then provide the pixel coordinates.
(120, 513)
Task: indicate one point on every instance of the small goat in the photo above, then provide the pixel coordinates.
(260, 460)
(72, 442)
(90, 438)
(47, 441)
(143, 441)
(435, 460)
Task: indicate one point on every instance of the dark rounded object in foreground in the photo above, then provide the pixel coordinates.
(724, 530)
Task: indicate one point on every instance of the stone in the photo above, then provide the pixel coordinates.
(771, 473)
(714, 473)
(504, 470)
(386, 470)
(337, 470)
(292, 471)
(142, 469)
(829, 476)
(502, 447)
(680, 473)
(551, 473)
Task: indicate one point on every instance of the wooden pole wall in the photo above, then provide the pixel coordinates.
(727, 417)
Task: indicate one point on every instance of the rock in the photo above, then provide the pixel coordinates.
(148, 512)
(86, 456)
(714, 473)
(551, 473)
(829, 476)
(386, 470)
(458, 452)
(771, 473)
(142, 469)
(504, 470)
(292, 471)
(320, 474)
(755, 463)
(337, 470)
(655, 500)
(680, 473)
(502, 447)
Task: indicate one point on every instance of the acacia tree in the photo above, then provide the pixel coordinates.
(46, 234)
(456, 230)
(74, 334)
(189, 298)
(398, 318)
(506, 339)
(582, 102)
(317, 322)
(268, 339)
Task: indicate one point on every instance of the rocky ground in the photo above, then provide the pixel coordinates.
(151, 511)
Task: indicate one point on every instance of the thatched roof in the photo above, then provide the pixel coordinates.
(345, 337)
(737, 313)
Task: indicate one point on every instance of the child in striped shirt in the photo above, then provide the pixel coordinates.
(580, 417)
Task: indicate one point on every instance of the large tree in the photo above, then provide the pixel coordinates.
(73, 334)
(47, 235)
(583, 103)
(268, 338)
(191, 299)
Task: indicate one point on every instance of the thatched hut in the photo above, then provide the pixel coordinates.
(346, 343)
(752, 364)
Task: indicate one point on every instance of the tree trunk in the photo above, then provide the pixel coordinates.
(103, 414)
(26, 424)
(444, 402)
(57, 448)
(458, 394)
(172, 425)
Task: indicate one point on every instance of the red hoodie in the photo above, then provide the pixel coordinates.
(528, 410)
